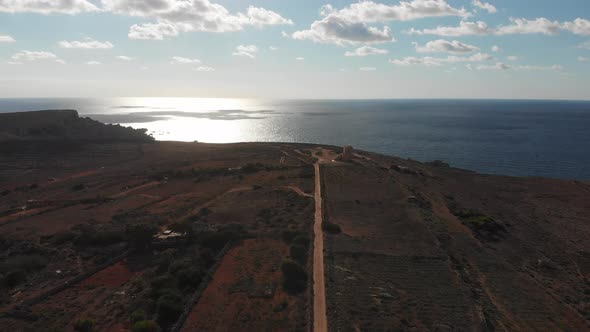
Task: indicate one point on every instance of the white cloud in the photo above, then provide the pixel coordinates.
(86, 44)
(47, 7)
(503, 66)
(125, 58)
(464, 29)
(350, 24)
(431, 61)
(31, 56)
(484, 5)
(496, 48)
(60, 61)
(583, 59)
(273, 48)
(205, 69)
(367, 68)
(174, 16)
(93, 63)
(578, 27)
(497, 66)
(469, 66)
(152, 31)
(366, 50)
(585, 45)
(6, 39)
(512, 58)
(445, 46)
(246, 50)
(300, 59)
(336, 30)
(183, 60)
(521, 26)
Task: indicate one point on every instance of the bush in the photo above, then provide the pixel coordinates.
(294, 277)
(298, 253)
(26, 263)
(141, 236)
(288, 236)
(331, 227)
(79, 187)
(169, 308)
(84, 325)
(13, 278)
(145, 326)
(92, 236)
(162, 285)
(302, 240)
(137, 316)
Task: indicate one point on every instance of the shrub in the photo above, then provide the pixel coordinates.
(140, 236)
(145, 326)
(294, 277)
(84, 325)
(331, 227)
(289, 235)
(13, 278)
(79, 187)
(302, 240)
(298, 253)
(137, 316)
(26, 263)
(92, 236)
(165, 284)
(169, 308)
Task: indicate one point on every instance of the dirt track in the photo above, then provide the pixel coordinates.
(320, 322)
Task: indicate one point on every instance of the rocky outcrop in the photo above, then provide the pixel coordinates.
(63, 125)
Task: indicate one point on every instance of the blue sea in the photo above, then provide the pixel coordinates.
(511, 137)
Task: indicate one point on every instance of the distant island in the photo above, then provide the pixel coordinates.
(104, 229)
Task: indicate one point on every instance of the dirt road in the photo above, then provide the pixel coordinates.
(320, 321)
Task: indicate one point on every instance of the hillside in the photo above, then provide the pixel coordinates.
(209, 237)
(63, 125)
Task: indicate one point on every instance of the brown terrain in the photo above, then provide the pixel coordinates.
(130, 234)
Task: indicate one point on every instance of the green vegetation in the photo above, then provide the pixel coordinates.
(294, 277)
(474, 218)
(145, 326)
(140, 236)
(78, 187)
(15, 269)
(137, 316)
(331, 227)
(298, 253)
(169, 308)
(84, 325)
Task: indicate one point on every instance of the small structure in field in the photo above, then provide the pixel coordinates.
(346, 154)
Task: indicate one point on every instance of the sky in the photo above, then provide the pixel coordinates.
(295, 48)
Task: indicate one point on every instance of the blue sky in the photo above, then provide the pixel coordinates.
(295, 49)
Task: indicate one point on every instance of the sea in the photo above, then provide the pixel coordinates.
(510, 137)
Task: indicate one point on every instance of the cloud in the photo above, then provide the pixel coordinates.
(520, 26)
(496, 48)
(503, 66)
(585, 45)
(339, 31)
(431, 61)
(246, 50)
(484, 5)
(583, 59)
(31, 56)
(300, 58)
(523, 26)
(45, 7)
(366, 50)
(125, 58)
(205, 69)
(60, 61)
(464, 29)
(367, 68)
(183, 60)
(86, 44)
(350, 24)
(512, 58)
(93, 63)
(444, 46)
(152, 31)
(273, 48)
(6, 39)
(174, 16)
(578, 27)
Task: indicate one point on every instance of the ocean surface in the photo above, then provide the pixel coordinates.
(520, 138)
